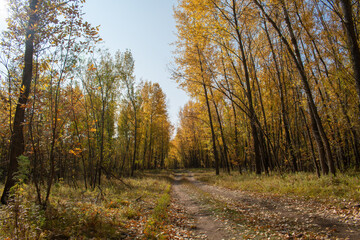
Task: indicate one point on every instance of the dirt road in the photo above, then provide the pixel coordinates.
(219, 213)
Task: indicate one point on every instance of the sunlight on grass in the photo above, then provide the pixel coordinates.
(103, 212)
(307, 185)
(156, 224)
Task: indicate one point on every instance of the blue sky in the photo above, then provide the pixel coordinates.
(147, 28)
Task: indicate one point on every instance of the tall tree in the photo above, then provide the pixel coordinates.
(125, 66)
(17, 146)
(352, 40)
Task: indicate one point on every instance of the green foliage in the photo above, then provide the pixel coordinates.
(160, 213)
(24, 169)
(21, 218)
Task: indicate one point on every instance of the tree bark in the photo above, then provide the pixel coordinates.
(353, 43)
(17, 145)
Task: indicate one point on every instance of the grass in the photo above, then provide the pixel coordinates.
(343, 187)
(140, 207)
(113, 211)
(155, 227)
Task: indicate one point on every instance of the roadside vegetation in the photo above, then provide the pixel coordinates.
(118, 209)
(328, 189)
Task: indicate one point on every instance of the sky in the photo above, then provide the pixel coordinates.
(147, 28)
(3, 13)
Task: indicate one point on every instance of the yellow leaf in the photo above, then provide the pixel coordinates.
(22, 90)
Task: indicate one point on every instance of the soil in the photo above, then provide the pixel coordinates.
(203, 223)
(219, 213)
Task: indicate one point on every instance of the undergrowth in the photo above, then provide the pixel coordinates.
(155, 227)
(75, 213)
(343, 187)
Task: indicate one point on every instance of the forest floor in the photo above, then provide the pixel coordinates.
(190, 204)
(215, 212)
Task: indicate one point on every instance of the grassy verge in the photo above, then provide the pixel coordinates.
(113, 211)
(156, 225)
(337, 189)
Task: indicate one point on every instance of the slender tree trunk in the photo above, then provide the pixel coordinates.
(283, 106)
(32, 140)
(216, 156)
(252, 114)
(79, 138)
(150, 144)
(313, 109)
(236, 137)
(322, 142)
(135, 142)
(145, 149)
(226, 150)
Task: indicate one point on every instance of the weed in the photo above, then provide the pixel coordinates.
(21, 218)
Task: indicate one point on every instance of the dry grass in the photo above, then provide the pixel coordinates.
(343, 187)
(74, 213)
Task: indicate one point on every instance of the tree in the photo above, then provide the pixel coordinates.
(301, 68)
(353, 41)
(52, 38)
(125, 66)
(17, 137)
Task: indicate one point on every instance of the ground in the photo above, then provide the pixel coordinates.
(219, 213)
(190, 204)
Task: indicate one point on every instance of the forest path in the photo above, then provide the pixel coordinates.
(220, 213)
(204, 224)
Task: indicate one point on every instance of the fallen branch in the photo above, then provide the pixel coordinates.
(117, 178)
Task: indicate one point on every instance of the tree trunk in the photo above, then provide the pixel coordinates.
(135, 142)
(210, 117)
(252, 114)
(17, 144)
(294, 51)
(289, 143)
(226, 150)
(353, 43)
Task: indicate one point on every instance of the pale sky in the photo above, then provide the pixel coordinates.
(147, 28)
(3, 13)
